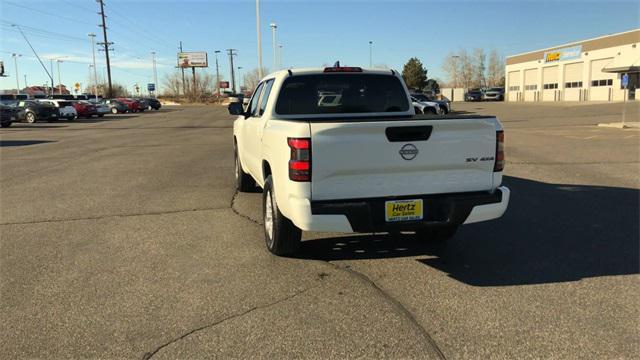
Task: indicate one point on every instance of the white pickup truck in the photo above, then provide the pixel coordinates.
(365, 163)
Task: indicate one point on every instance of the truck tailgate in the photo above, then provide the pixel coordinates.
(401, 157)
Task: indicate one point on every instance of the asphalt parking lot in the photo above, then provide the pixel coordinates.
(123, 238)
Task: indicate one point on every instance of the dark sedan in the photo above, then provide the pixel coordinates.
(6, 115)
(32, 111)
(473, 95)
(153, 104)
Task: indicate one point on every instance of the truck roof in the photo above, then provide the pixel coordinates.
(320, 70)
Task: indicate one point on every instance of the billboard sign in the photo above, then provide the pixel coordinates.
(569, 53)
(192, 59)
(224, 84)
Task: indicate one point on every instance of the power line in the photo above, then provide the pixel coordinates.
(75, 20)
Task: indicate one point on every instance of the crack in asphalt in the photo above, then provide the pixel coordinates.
(395, 302)
(150, 354)
(152, 213)
(364, 278)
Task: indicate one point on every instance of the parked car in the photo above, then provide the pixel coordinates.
(132, 105)
(101, 108)
(473, 95)
(368, 165)
(85, 108)
(65, 108)
(143, 104)
(496, 94)
(6, 115)
(116, 106)
(445, 105)
(32, 111)
(12, 99)
(153, 104)
(426, 107)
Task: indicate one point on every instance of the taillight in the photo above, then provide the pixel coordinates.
(499, 166)
(342, 69)
(300, 162)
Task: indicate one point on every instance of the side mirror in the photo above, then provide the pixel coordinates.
(235, 108)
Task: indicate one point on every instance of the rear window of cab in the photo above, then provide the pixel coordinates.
(341, 94)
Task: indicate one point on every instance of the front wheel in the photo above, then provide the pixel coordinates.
(114, 110)
(281, 235)
(5, 124)
(244, 181)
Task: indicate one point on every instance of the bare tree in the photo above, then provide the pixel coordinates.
(466, 69)
(451, 66)
(172, 84)
(479, 60)
(495, 69)
(252, 78)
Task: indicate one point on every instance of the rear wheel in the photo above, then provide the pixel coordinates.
(5, 124)
(281, 235)
(437, 234)
(114, 110)
(430, 111)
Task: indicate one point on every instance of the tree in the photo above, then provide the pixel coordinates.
(414, 74)
(466, 69)
(432, 84)
(479, 59)
(495, 70)
(252, 78)
(451, 66)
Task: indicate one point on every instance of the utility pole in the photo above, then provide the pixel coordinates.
(59, 81)
(273, 27)
(155, 74)
(280, 56)
(370, 54)
(217, 74)
(25, 81)
(106, 45)
(92, 36)
(15, 61)
(184, 90)
(260, 74)
(233, 74)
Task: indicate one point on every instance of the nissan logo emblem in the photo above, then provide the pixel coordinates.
(408, 151)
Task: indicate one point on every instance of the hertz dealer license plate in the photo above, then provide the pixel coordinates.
(403, 210)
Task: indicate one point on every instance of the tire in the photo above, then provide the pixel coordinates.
(417, 110)
(281, 235)
(5, 124)
(437, 234)
(244, 181)
(149, 108)
(100, 115)
(114, 110)
(431, 111)
(440, 111)
(30, 117)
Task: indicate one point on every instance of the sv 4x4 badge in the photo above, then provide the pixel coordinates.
(475, 159)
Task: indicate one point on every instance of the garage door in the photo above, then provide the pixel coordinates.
(513, 87)
(600, 83)
(550, 86)
(531, 85)
(573, 82)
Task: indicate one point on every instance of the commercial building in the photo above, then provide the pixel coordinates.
(588, 70)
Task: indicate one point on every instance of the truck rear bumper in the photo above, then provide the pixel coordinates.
(367, 215)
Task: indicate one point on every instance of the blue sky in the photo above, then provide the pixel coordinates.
(312, 32)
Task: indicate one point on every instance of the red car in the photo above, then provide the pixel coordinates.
(85, 109)
(133, 105)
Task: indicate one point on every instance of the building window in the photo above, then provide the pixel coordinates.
(514, 88)
(531, 87)
(550, 86)
(605, 82)
(574, 84)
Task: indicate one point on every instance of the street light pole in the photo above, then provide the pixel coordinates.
(15, 61)
(95, 71)
(280, 56)
(155, 75)
(275, 46)
(240, 68)
(59, 81)
(260, 74)
(370, 54)
(217, 74)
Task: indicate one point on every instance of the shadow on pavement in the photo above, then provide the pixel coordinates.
(550, 233)
(15, 143)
